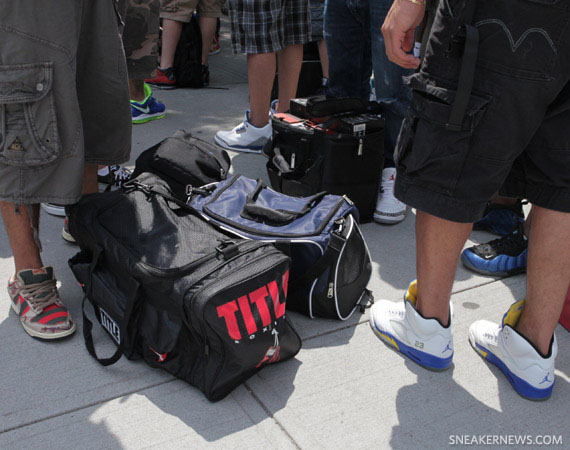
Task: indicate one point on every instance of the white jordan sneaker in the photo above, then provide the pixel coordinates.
(424, 341)
(530, 374)
(389, 209)
(245, 137)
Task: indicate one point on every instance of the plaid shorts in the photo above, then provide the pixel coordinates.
(264, 26)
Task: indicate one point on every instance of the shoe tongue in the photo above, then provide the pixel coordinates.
(513, 314)
(388, 175)
(34, 276)
(412, 293)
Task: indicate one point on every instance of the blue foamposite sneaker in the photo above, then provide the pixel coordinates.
(501, 257)
(500, 219)
(147, 110)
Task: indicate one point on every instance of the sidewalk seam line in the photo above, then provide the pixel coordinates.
(79, 408)
(270, 415)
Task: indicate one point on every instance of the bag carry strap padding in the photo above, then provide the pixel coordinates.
(251, 210)
(467, 72)
(88, 325)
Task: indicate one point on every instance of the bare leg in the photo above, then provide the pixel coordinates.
(548, 276)
(438, 246)
(260, 76)
(137, 90)
(90, 185)
(171, 30)
(290, 59)
(208, 29)
(324, 57)
(21, 237)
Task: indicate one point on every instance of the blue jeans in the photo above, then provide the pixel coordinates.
(355, 45)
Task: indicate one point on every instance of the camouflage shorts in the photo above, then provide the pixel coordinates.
(140, 36)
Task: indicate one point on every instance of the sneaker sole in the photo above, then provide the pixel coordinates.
(67, 237)
(467, 262)
(222, 144)
(389, 219)
(38, 335)
(54, 211)
(162, 86)
(148, 118)
(215, 52)
(411, 353)
(520, 386)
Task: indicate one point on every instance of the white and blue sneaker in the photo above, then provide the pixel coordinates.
(245, 137)
(531, 374)
(424, 341)
(147, 110)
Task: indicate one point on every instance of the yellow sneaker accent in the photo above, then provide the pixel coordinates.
(412, 292)
(513, 314)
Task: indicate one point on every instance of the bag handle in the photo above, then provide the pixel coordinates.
(88, 325)
(252, 211)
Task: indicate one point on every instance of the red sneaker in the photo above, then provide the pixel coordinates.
(164, 79)
(215, 47)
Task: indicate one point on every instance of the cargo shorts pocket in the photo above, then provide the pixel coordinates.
(28, 121)
(428, 152)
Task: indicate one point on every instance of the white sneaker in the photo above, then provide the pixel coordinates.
(245, 137)
(424, 341)
(54, 209)
(388, 208)
(530, 374)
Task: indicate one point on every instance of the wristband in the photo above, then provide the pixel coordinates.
(417, 2)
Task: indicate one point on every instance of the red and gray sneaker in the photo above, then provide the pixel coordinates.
(65, 234)
(164, 79)
(36, 301)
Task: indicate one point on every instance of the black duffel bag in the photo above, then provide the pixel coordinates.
(184, 161)
(305, 158)
(172, 289)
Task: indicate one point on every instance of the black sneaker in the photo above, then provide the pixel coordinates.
(205, 72)
(115, 176)
(501, 219)
(500, 257)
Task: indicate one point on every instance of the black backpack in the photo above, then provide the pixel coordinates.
(188, 56)
(184, 161)
(170, 288)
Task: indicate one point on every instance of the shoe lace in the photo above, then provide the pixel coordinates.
(508, 243)
(40, 295)
(122, 174)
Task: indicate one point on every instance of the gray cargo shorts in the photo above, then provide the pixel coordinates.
(64, 98)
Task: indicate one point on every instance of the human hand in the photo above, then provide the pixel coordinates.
(398, 31)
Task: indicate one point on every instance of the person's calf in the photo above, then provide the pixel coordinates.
(25, 249)
(548, 276)
(438, 246)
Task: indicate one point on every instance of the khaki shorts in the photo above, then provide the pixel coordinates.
(64, 98)
(182, 10)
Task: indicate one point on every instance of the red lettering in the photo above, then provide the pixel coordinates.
(285, 283)
(228, 312)
(247, 315)
(259, 298)
(274, 292)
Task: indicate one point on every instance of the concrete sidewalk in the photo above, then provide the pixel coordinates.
(345, 389)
